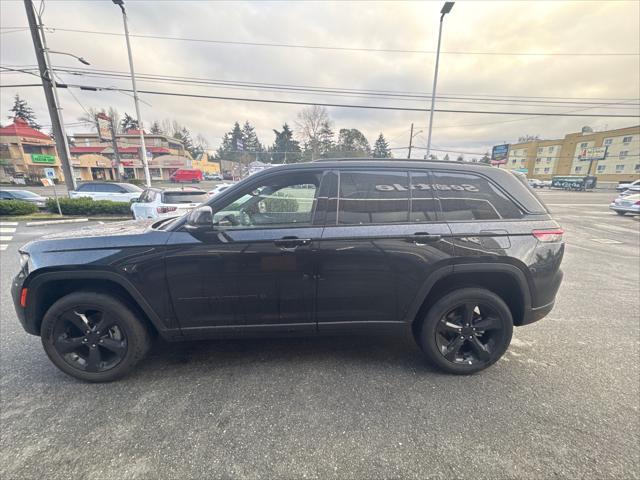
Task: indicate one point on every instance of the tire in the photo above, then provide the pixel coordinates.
(462, 348)
(96, 356)
(620, 213)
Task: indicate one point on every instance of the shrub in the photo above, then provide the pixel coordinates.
(89, 206)
(17, 207)
(136, 181)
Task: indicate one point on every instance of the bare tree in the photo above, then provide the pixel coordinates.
(309, 125)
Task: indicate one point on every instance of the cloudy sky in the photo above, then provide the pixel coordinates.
(575, 52)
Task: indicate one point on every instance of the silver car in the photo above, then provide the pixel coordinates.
(24, 196)
(626, 204)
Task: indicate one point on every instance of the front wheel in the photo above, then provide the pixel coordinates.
(93, 336)
(466, 331)
(620, 213)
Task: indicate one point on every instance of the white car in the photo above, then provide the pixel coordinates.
(626, 204)
(158, 203)
(635, 185)
(220, 188)
(115, 192)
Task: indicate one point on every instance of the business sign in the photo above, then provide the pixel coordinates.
(104, 127)
(593, 153)
(499, 154)
(42, 158)
(50, 173)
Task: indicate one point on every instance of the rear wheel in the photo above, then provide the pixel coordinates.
(93, 336)
(466, 330)
(620, 213)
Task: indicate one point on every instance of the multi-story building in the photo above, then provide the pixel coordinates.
(25, 153)
(545, 158)
(93, 159)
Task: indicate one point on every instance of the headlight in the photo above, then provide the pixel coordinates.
(24, 260)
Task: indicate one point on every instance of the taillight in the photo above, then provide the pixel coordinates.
(637, 203)
(166, 209)
(551, 235)
(23, 298)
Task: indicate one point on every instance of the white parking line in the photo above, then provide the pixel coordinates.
(8, 224)
(3, 247)
(7, 229)
(5, 238)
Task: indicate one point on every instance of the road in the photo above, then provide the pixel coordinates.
(562, 403)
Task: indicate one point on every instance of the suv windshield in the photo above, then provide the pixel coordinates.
(184, 197)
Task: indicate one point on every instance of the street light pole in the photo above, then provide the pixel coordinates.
(143, 147)
(446, 8)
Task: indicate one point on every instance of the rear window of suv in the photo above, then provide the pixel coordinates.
(465, 197)
(184, 197)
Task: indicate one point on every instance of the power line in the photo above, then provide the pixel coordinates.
(347, 49)
(342, 105)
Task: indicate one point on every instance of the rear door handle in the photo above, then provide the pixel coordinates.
(420, 238)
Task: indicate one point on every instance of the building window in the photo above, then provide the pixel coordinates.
(31, 148)
(537, 170)
(548, 159)
(626, 140)
(538, 160)
(577, 169)
(620, 168)
(601, 168)
(637, 167)
(584, 145)
(608, 141)
(623, 154)
(513, 161)
(546, 170)
(550, 149)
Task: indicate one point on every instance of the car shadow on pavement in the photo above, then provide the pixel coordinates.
(359, 351)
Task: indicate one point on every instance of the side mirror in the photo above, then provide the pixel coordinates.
(134, 200)
(199, 220)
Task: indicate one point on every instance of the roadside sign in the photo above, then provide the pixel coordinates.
(593, 153)
(50, 173)
(522, 170)
(47, 182)
(499, 154)
(104, 127)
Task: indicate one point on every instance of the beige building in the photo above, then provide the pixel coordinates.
(93, 159)
(25, 153)
(544, 158)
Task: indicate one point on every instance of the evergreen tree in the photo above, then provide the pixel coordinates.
(325, 140)
(250, 139)
(284, 142)
(460, 158)
(381, 148)
(485, 158)
(446, 157)
(21, 109)
(352, 143)
(155, 128)
(128, 123)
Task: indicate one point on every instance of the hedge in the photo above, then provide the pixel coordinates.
(89, 206)
(17, 207)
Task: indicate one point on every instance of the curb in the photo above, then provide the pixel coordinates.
(55, 222)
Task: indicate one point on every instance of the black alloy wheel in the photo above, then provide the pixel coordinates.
(94, 336)
(466, 330)
(89, 339)
(468, 333)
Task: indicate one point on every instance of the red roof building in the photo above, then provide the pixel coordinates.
(20, 128)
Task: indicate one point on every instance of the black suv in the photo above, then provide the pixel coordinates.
(455, 254)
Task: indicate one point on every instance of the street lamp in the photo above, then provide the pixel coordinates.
(143, 153)
(446, 8)
(80, 59)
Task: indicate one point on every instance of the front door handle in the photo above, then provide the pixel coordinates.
(291, 243)
(421, 238)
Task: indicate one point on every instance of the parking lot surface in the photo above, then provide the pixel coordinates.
(562, 403)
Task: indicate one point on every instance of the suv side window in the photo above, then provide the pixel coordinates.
(278, 201)
(86, 187)
(373, 197)
(424, 206)
(465, 197)
(110, 188)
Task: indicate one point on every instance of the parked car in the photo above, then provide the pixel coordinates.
(186, 175)
(626, 204)
(212, 176)
(157, 203)
(535, 183)
(455, 254)
(24, 196)
(221, 187)
(635, 185)
(115, 192)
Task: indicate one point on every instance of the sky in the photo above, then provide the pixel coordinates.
(489, 49)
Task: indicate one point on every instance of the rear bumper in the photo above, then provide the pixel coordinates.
(538, 313)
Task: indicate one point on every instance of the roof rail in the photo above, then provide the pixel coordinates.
(416, 160)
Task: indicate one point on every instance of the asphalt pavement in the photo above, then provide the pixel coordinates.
(562, 403)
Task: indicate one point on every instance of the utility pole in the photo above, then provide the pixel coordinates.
(114, 145)
(410, 141)
(136, 100)
(51, 94)
(446, 8)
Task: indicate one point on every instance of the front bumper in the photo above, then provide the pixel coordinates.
(635, 209)
(16, 290)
